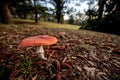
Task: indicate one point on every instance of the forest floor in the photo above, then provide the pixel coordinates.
(78, 55)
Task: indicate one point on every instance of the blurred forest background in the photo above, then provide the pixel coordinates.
(103, 16)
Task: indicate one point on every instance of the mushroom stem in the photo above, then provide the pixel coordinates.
(40, 52)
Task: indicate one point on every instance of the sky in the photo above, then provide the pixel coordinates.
(83, 7)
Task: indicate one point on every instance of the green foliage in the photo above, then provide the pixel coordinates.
(20, 9)
(107, 24)
(91, 13)
(58, 9)
(25, 64)
(71, 20)
(62, 19)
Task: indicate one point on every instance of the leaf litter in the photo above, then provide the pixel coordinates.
(78, 55)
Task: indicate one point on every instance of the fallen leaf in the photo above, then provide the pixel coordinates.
(68, 60)
(117, 51)
(66, 65)
(80, 56)
(14, 73)
(105, 47)
(90, 72)
(58, 77)
(58, 64)
(51, 55)
(38, 62)
(35, 77)
(59, 47)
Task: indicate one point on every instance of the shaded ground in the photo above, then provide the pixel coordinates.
(78, 55)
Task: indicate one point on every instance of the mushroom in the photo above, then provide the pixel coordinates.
(39, 41)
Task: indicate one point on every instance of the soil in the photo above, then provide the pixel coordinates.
(78, 55)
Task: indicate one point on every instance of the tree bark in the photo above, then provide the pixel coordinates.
(59, 7)
(24, 9)
(58, 16)
(101, 8)
(35, 8)
(6, 16)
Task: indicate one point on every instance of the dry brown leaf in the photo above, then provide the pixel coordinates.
(101, 76)
(117, 51)
(79, 68)
(14, 73)
(68, 60)
(66, 65)
(35, 77)
(58, 64)
(80, 56)
(38, 62)
(59, 47)
(105, 47)
(90, 72)
(51, 54)
(58, 77)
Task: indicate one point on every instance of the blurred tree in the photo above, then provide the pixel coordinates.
(79, 18)
(39, 9)
(71, 20)
(21, 8)
(70, 11)
(91, 13)
(108, 17)
(5, 14)
(101, 4)
(24, 9)
(36, 13)
(112, 6)
(42, 11)
(59, 5)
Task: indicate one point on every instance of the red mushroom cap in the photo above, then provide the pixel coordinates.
(38, 40)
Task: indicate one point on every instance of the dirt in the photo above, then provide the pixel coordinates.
(78, 55)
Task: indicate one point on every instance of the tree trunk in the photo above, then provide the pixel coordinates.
(24, 9)
(101, 8)
(35, 8)
(6, 16)
(58, 16)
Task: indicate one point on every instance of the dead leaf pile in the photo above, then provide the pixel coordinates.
(78, 55)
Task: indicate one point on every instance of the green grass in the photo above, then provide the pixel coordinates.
(56, 25)
(45, 24)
